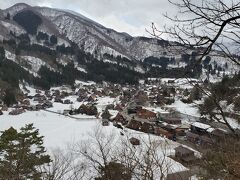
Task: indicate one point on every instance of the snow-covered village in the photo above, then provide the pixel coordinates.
(166, 112)
(88, 91)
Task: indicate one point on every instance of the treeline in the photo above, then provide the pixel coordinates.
(157, 67)
(28, 20)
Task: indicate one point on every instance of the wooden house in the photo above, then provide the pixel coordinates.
(171, 120)
(133, 124)
(118, 107)
(147, 128)
(134, 141)
(47, 104)
(16, 112)
(199, 128)
(205, 141)
(39, 107)
(120, 119)
(26, 102)
(4, 108)
(146, 114)
(67, 101)
(105, 122)
(184, 154)
(192, 137)
(58, 99)
(218, 134)
(92, 98)
(162, 132)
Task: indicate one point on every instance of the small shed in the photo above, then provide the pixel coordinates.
(105, 122)
(192, 137)
(172, 120)
(134, 141)
(200, 128)
(16, 112)
(184, 154)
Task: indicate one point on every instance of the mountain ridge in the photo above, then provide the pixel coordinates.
(63, 38)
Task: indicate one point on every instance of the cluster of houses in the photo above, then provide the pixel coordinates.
(147, 121)
(204, 134)
(168, 125)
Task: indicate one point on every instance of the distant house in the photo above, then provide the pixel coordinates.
(133, 124)
(16, 112)
(192, 137)
(118, 107)
(92, 98)
(162, 132)
(184, 154)
(218, 134)
(170, 120)
(26, 102)
(56, 93)
(199, 128)
(171, 81)
(4, 108)
(120, 119)
(47, 104)
(105, 122)
(81, 98)
(66, 112)
(67, 101)
(147, 128)
(134, 141)
(131, 111)
(146, 114)
(39, 107)
(58, 99)
(205, 141)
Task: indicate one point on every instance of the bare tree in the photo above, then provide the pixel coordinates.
(64, 166)
(147, 161)
(211, 25)
(211, 28)
(97, 152)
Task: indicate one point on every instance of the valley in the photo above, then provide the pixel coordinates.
(106, 102)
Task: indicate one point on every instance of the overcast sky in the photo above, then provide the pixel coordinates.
(131, 16)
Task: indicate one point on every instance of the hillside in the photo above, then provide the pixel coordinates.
(55, 47)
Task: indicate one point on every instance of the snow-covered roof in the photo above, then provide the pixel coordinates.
(201, 125)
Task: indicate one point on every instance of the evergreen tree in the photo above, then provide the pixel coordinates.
(2, 53)
(53, 39)
(8, 16)
(196, 93)
(9, 98)
(106, 114)
(21, 154)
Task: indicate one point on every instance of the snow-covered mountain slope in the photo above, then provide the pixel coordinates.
(72, 28)
(89, 34)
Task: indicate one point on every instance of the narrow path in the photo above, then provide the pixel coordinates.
(69, 115)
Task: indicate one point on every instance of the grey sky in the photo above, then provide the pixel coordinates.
(131, 16)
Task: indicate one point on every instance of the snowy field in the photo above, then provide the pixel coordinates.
(61, 131)
(57, 130)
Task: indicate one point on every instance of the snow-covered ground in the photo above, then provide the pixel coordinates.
(60, 131)
(57, 130)
(187, 109)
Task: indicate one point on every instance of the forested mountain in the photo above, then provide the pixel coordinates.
(48, 47)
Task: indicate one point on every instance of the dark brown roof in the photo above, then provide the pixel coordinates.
(193, 135)
(183, 150)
